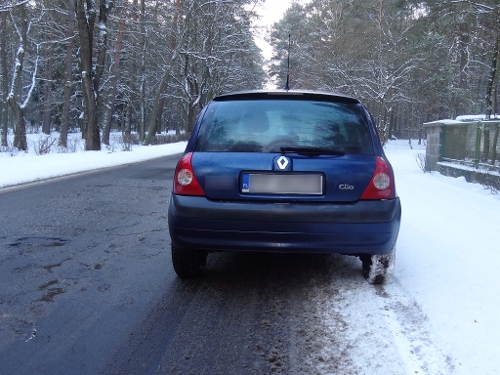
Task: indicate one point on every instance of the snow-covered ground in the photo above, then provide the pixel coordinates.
(448, 251)
(20, 167)
(441, 310)
(439, 314)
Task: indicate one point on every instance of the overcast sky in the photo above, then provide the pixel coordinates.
(272, 11)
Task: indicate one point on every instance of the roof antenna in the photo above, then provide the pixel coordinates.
(287, 87)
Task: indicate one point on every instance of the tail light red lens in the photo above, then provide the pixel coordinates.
(185, 182)
(381, 185)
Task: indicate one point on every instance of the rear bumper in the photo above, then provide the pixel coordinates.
(365, 227)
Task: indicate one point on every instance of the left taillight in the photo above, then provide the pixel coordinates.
(381, 185)
(185, 182)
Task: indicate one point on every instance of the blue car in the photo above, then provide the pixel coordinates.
(284, 171)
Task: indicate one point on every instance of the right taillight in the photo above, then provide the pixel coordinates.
(185, 182)
(381, 185)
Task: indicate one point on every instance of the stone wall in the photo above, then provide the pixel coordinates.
(433, 148)
(488, 179)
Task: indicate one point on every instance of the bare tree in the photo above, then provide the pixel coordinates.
(409, 62)
(22, 27)
(209, 51)
(169, 59)
(68, 75)
(115, 74)
(159, 101)
(5, 87)
(86, 14)
(47, 97)
(493, 75)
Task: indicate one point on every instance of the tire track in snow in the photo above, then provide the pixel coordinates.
(352, 328)
(412, 333)
(341, 329)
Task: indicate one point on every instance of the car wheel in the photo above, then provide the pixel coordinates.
(188, 263)
(377, 269)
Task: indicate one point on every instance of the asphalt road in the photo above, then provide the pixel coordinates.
(87, 287)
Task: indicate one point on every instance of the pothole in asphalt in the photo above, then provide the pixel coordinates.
(39, 241)
(50, 266)
(49, 284)
(50, 291)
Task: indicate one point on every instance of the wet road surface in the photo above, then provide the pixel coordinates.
(87, 287)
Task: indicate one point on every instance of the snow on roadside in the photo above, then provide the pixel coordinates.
(29, 167)
(448, 254)
(439, 313)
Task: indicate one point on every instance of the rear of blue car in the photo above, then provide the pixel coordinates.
(284, 172)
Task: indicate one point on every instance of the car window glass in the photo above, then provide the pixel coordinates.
(268, 125)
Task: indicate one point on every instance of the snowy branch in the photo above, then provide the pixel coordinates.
(6, 8)
(33, 83)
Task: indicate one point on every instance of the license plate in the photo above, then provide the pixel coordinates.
(283, 184)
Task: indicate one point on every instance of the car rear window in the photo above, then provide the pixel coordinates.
(267, 125)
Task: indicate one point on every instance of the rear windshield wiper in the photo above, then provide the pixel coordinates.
(312, 151)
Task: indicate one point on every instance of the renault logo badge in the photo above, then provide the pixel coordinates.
(282, 162)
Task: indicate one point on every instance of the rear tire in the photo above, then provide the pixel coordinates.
(378, 269)
(188, 263)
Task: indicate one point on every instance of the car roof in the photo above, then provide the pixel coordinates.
(263, 94)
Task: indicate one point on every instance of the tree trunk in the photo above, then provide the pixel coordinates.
(497, 71)
(47, 97)
(157, 109)
(132, 78)
(20, 127)
(68, 77)
(142, 88)
(128, 119)
(85, 18)
(20, 141)
(115, 73)
(489, 94)
(5, 85)
(492, 78)
(102, 41)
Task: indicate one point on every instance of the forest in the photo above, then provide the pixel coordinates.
(145, 67)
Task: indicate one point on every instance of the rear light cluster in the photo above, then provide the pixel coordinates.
(185, 182)
(381, 185)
